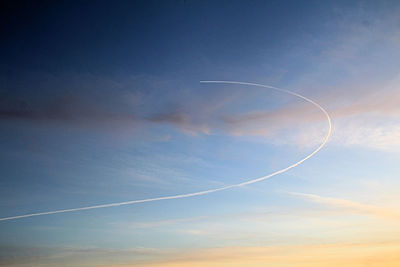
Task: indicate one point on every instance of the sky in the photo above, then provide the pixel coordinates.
(101, 102)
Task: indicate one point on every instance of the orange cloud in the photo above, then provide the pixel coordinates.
(329, 255)
(353, 206)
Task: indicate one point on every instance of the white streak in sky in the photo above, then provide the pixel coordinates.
(252, 181)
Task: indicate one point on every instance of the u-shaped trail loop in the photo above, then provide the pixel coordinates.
(252, 181)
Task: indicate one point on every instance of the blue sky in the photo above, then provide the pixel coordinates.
(100, 102)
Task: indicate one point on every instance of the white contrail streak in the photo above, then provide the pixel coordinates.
(252, 181)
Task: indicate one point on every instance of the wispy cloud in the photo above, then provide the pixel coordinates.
(351, 206)
(351, 254)
(329, 254)
(76, 256)
(363, 117)
(182, 120)
(154, 224)
(83, 100)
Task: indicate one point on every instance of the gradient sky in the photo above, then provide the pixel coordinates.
(100, 102)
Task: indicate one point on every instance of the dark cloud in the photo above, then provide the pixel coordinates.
(82, 100)
(77, 256)
(68, 109)
(178, 117)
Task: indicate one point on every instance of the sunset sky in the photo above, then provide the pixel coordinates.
(101, 102)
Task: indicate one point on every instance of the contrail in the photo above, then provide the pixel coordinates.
(252, 181)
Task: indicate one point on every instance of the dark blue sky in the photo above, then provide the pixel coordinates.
(153, 36)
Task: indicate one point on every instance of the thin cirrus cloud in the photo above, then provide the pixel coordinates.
(72, 108)
(369, 119)
(161, 223)
(87, 101)
(92, 104)
(54, 256)
(351, 206)
(182, 120)
(352, 254)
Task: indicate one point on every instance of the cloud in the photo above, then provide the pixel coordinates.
(366, 119)
(72, 256)
(127, 102)
(346, 254)
(155, 224)
(350, 206)
(363, 115)
(375, 135)
(73, 99)
(182, 120)
(204, 192)
(352, 254)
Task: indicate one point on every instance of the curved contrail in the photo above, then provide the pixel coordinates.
(252, 181)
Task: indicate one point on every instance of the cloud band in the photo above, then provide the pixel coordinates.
(251, 181)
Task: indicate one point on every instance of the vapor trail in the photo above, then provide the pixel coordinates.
(252, 181)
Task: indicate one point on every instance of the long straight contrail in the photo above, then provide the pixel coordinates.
(252, 181)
